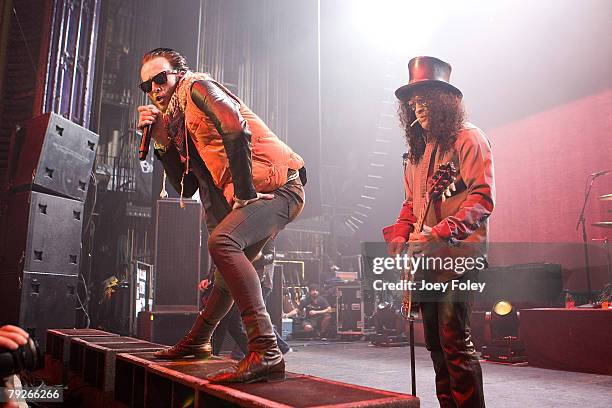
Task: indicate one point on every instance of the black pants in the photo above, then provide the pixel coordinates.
(446, 321)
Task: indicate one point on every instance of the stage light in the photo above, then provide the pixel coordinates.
(502, 308)
(502, 334)
(503, 319)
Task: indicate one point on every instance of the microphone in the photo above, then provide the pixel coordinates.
(145, 141)
(601, 173)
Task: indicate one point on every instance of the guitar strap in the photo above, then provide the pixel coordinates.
(430, 172)
(408, 298)
(432, 161)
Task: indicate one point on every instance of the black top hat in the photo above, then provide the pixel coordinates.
(426, 72)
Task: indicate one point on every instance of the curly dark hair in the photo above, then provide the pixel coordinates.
(175, 59)
(446, 117)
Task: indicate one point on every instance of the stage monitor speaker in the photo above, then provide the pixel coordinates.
(43, 234)
(38, 301)
(177, 254)
(53, 155)
(524, 285)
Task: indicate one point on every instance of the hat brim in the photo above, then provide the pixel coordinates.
(404, 93)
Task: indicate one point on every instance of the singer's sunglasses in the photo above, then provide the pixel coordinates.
(159, 79)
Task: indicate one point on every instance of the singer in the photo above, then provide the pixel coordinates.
(433, 118)
(251, 186)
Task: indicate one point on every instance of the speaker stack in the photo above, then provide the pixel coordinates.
(177, 255)
(176, 298)
(49, 170)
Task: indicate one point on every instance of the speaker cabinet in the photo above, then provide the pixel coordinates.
(177, 254)
(37, 301)
(43, 233)
(39, 263)
(54, 155)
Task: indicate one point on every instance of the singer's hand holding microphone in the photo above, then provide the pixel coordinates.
(148, 116)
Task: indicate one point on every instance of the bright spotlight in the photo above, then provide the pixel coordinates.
(502, 334)
(401, 27)
(502, 308)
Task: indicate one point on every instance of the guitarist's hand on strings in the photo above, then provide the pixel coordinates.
(426, 243)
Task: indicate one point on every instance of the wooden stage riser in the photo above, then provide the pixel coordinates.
(58, 341)
(144, 382)
(89, 354)
(57, 354)
(99, 365)
(122, 372)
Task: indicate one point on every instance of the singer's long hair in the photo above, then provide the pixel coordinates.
(446, 117)
(175, 59)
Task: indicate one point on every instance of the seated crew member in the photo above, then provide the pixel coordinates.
(317, 312)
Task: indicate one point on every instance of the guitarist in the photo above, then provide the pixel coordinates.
(433, 118)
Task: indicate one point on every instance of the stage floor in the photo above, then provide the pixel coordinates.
(506, 386)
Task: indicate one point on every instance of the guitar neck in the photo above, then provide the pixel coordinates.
(418, 226)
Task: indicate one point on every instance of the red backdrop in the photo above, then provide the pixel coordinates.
(541, 167)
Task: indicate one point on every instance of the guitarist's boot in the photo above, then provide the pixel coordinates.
(196, 342)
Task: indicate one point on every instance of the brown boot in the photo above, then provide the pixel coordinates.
(196, 343)
(264, 361)
(255, 367)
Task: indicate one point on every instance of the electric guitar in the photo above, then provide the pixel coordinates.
(442, 186)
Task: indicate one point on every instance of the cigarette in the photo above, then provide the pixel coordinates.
(414, 123)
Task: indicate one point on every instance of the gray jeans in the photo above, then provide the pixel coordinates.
(233, 244)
